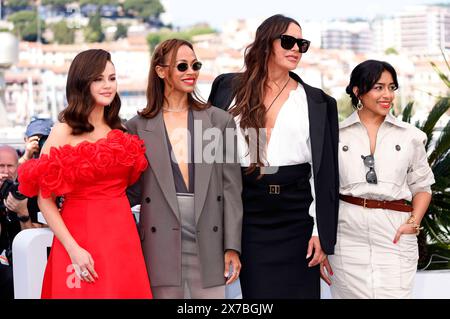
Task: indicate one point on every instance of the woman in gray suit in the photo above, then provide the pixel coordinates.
(190, 196)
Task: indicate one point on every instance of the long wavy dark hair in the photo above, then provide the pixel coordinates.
(85, 68)
(252, 83)
(165, 54)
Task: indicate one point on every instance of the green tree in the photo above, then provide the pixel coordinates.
(344, 105)
(18, 3)
(143, 8)
(59, 4)
(25, 25)
(391, 51)
(121, 32)
(62, 33)
(94, 30)
(201, 29)
(434, 240)
(98, 2)
(154, 38)
(56, 2)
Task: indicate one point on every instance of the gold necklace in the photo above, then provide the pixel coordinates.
(168, 109)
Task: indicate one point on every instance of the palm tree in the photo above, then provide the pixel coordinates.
(434, 240)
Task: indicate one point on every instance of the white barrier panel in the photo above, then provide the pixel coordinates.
(29, 250)
(429, 284)
(432, 284)
(30, 258)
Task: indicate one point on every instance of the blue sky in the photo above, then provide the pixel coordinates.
(216, 12)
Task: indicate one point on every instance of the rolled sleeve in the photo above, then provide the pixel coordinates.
(420, 176)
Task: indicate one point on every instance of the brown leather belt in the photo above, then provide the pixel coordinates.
(398, 205)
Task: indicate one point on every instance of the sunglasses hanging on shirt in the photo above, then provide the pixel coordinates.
(371, 176)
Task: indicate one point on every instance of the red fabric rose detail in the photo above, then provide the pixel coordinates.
(53, 181)
(68, 159)
(117, 140)
(28, 178)
(104, 159)
(67, 166)
(87, 150)
(85, 171)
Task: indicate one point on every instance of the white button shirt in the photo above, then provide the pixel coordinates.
(291, 124)
(401, 162)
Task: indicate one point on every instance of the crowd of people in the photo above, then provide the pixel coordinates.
(260, 182)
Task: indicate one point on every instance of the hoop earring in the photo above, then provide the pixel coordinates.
(359, 106)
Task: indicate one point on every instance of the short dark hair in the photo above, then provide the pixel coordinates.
(85, 68)
(365, 75)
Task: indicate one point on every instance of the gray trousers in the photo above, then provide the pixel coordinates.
(191, 281)
(191, 284)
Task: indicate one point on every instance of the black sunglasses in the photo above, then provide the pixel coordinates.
(183, 66)
(371, 176)
(288, 42)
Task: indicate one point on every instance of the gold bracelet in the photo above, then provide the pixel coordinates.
(412, 221)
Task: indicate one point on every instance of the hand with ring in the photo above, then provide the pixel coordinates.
(85, 263)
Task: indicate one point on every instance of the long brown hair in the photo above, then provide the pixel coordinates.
(85, 68)
(156, 85)
(252, 83)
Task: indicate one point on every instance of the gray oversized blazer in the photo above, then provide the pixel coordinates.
(217, 200)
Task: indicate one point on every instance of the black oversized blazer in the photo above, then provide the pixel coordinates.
(324, 130)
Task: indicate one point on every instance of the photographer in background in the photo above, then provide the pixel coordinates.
(35, 136)
(8, 227)
(17, 212)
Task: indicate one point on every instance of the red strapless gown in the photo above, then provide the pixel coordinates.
(93, 178)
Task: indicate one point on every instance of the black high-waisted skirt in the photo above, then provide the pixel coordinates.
(275, 234)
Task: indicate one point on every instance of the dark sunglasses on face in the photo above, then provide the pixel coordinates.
(183, 66)
(371, 176)
(288, 42)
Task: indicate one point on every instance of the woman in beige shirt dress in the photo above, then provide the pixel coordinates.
(382, 163)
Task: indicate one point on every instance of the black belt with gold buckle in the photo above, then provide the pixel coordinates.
(274, 189)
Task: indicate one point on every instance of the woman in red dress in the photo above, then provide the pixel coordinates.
(88, 159)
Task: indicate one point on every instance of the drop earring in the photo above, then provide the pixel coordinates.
(359, 106)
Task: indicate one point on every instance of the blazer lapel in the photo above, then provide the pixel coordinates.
(317, 118)
(202, 169)
(157, 152)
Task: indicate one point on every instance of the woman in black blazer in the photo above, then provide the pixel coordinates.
(288, 152)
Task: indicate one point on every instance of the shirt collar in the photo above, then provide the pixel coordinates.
(354, 118)
(349, 121)
(395, 121)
